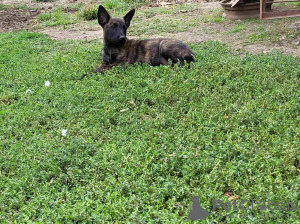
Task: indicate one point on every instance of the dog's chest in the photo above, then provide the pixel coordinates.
(110, 55)
(116, 56)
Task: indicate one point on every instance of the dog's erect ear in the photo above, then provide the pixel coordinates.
(103, 16)
(128, 17)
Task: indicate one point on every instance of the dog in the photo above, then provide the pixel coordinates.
(119, 50)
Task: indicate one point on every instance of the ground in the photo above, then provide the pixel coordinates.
(189, 22)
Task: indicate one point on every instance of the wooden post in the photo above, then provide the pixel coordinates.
(261, 9)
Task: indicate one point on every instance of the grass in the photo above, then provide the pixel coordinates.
(214, 16)
(162, 25)
(15, 6)
(118, 8)
(73, 6)
(89, 13)
(271, 35)
(155, 20)
(237, 28)
(121, 7)
(5, 6)
(286, 5)
(57, 17)
(146, 23)
(272, 31)
(230, 123)
(170, 10)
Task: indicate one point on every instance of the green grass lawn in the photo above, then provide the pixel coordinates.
(230, 123)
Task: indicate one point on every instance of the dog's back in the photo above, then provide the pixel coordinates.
(153, 51)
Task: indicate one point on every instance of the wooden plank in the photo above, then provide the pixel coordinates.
(235, 2)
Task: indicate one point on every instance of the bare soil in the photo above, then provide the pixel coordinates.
(14, 19)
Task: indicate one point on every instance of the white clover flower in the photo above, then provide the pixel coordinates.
(47, 83)
(28, 91)
(64, 132)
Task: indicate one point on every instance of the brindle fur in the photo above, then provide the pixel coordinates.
(118, 50)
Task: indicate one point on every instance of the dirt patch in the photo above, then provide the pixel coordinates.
(75, 35)
(285, 49)
(70, 10)
(13, 19)
(209, 5)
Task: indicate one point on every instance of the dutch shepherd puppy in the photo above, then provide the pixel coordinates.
(118, 50)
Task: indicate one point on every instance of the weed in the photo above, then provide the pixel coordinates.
(57, 17)
(16, 6)
(89, 13)
(237, 28)
(5, 6)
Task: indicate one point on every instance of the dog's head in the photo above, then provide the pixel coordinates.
(114, 29)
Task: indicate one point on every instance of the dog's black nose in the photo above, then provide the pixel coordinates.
(122, 37)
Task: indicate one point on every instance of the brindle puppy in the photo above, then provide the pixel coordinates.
(120, 50)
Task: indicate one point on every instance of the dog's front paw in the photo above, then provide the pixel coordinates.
(83, 76)
(98, 70)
